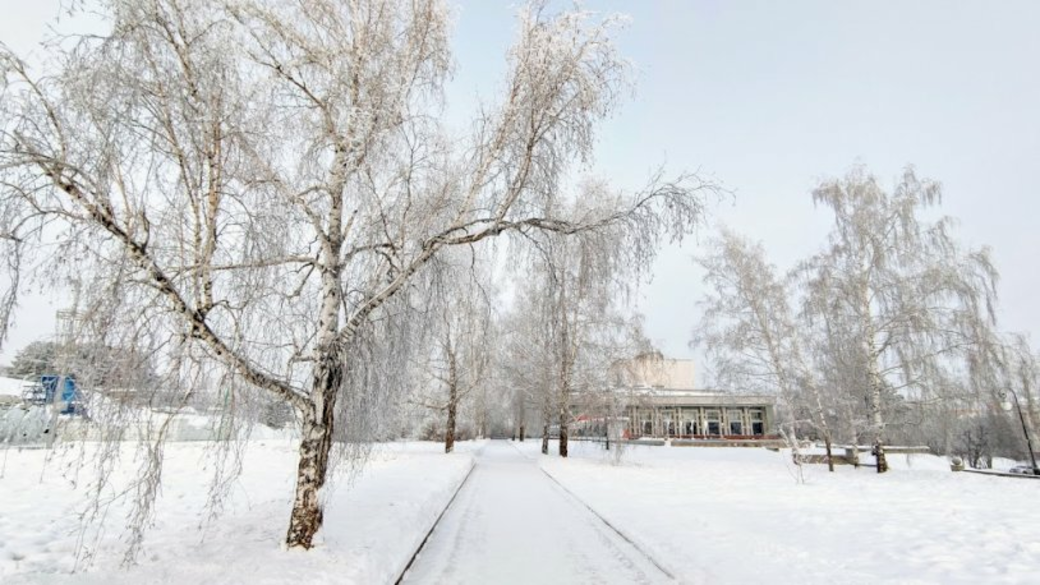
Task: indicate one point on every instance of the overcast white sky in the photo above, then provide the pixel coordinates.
(770, 97)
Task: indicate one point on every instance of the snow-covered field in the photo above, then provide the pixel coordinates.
(718, 515)
(725, 515)
(372, 524)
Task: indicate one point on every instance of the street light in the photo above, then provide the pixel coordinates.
(1025, 430)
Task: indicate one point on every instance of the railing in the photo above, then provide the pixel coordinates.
(712, 437)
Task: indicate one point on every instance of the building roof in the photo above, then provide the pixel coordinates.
(678, 397)
(685, 397)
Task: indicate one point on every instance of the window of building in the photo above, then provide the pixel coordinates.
(758, 421)
(735, 418)
(714, 424)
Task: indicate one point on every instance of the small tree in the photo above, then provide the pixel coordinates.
(751, 333)
(585, 282)
(529, 359)
(974, 443)
(461, 347)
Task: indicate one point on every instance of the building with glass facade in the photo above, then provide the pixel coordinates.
(654, 397)
(692, 414)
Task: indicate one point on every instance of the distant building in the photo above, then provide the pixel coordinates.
(656, 398)
(653, 370)
(693, 414)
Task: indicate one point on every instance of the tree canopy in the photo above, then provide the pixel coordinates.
(254, 191)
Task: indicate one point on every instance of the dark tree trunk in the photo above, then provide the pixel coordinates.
(521, 433)
(453, 404)
(315, 445)
(830, 458)
(563, 435)
(879, 455)
(874, 383)
(545, 439)
(563, 414)
(449, 432)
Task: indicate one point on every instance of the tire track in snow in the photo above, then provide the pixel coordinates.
(509, 524)
(440, 516)
(573, 497)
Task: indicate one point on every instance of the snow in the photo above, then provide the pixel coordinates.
(512, 524)
(737, 515)
(11, 386)
(373, 524)
(721, 515)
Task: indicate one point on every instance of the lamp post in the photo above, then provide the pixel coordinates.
(1025, 429)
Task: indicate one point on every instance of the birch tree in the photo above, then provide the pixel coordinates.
(584, 282)
(529, 361)
(751, 334)
(461, 331)
(253, 188)
(1002, 376)
(834, 353)
(906, 294)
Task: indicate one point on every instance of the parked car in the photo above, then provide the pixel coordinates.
(1023, 469)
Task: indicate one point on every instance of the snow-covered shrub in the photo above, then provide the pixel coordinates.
(23, 425)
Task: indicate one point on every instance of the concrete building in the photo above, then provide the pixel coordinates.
(655, 398)
(693, 414)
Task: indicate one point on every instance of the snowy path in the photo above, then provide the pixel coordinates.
(511, 524)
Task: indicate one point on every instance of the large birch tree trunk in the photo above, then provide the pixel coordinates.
(566, 365)
(877, 420)
(564, 412)
(315, 445)
(564, 402)
(449, 432)
(319, 415)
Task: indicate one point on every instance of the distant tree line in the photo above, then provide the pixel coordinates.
(888, 334)
(92, 364)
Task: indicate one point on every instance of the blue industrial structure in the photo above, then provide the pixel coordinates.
(70, 399)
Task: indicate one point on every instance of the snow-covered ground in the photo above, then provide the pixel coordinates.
(719, 515)
(728, 515)
(512, 524)
(11, 391)
(373, 524)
